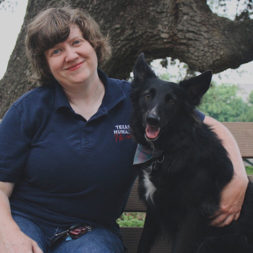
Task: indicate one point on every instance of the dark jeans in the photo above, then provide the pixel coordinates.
(99, 240)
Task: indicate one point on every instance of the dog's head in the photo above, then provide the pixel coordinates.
(158, 103)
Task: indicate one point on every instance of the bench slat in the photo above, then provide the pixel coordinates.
(243, 133)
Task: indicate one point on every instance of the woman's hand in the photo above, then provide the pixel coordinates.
(17, 242)
(233, 194)
(12, 239)
(232, 198)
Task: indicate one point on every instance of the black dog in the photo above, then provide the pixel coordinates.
(182, 186)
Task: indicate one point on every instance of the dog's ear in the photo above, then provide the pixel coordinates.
(197, 86)
(142, 69)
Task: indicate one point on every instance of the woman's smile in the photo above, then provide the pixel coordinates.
(75, 66)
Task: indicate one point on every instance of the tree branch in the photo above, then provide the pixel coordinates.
(183, 29)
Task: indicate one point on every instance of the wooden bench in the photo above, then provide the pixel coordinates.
(243, 133)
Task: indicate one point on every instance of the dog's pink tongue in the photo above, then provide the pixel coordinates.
(152, 132)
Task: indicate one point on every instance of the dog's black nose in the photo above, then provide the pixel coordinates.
(153, 119)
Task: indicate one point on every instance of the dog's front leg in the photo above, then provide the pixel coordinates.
(189, 234)
(149, 234)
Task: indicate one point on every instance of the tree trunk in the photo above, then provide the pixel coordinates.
(183, 29)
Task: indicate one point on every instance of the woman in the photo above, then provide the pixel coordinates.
(65, 149)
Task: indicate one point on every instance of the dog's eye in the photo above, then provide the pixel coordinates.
(147, 97)
(169, 99)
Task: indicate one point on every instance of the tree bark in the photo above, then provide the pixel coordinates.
(182, 29)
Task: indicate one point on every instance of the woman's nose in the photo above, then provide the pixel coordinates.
(71, 54)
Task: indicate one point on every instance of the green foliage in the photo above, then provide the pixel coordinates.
(134, 219)
(222, 103)
(251, 98)
(249, 170)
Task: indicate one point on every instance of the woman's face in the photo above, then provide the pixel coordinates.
(73, 61)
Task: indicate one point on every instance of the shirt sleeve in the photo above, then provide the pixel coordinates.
(200, 115)
(14, 146)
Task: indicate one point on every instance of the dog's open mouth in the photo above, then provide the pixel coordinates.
(152, 132)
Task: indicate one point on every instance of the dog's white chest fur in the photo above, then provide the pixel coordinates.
(149, 186)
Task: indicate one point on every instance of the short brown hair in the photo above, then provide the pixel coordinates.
(51, 27)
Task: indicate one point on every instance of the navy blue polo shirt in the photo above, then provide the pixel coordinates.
(67, 169)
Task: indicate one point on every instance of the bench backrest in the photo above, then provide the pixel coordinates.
(243, 133)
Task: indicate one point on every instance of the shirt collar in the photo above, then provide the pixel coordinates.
(61, 100)
(113, 94)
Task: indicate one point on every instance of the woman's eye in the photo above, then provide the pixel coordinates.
(55, 51)
(76, 42)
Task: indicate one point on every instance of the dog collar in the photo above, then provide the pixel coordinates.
(144, 154)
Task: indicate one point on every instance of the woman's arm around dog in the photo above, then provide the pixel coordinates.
(12, 239)
(232, 196)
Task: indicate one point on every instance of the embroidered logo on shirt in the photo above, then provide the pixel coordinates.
(121, 132)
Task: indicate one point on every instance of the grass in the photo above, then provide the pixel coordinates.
(131, 219)
(249, 170)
